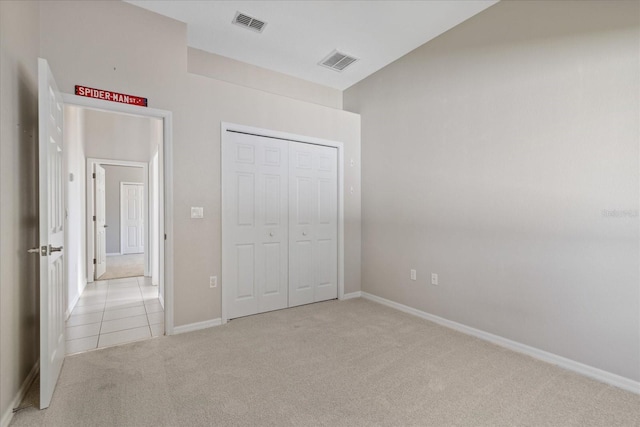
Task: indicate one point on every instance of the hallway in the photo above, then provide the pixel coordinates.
(113, 312)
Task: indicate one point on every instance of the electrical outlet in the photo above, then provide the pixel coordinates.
(197, 212)
(413, 275)
(213, 281)
(434, 279)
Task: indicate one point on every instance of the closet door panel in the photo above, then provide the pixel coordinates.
(255, 200)
(312, 224)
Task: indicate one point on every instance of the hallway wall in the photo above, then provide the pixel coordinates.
(76, 237)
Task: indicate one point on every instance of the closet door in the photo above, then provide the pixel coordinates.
(255, 201)
(313, 223)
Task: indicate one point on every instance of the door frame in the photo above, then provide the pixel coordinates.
(92, 225)
(91, 244)
(224, 128)
(145, 226)
(165, 189)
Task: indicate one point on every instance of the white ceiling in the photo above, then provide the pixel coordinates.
(299, 34)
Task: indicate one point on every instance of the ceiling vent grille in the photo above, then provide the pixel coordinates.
(249, 22)
(337, 61)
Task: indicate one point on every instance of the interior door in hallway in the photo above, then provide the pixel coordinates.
(51, 216)
(313, 223)
(255, 201)
(100, 221)
(132, 218)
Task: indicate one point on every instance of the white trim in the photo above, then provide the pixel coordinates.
(114, 254)
(197, 326)
(351, 295)
(165, 187)
(24, 388)
(145, 226)
(72, 304)
(563, 362)
(224, 127)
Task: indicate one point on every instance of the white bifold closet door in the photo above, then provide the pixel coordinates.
(279, 223)
(256, 209)
(313, 223)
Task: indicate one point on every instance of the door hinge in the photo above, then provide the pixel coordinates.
(94, 175)
(94, 261)
(94, 217)
(165, 236)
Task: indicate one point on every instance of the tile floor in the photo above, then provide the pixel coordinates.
(112, 312)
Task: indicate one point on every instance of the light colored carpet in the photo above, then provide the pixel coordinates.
(119, 266)
(338, 363)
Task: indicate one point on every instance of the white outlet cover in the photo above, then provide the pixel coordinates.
(197, 212)
(434, 279)
(413, 275)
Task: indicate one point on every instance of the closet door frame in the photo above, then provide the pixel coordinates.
(225, 129)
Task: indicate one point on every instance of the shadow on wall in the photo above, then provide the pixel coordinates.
(28, 277)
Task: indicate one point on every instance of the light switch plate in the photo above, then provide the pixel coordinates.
(197, 212)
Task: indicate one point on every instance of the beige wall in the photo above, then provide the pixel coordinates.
(19, 320)
(114, 175)
(146, 55)
(118, 136)
(240, 73)
(76, 223)
(490, 157)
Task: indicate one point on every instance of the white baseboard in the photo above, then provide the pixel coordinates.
(161, 299)
(563, 362)
(8, 413)
(196, 326)
(350, 295)
(72, 303)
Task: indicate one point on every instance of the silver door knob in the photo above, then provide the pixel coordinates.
(42, 251)
(105, 226)
(304, 233)
(271, 234)
(55, 249)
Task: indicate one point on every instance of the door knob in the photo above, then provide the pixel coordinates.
(42, 251)
(271, 234)
(105, 226)
(304, 233)
(55, 249)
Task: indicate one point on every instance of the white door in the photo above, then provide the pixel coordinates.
(52, 272)
(254, 256)
(132, 218)
(99, 221)
(313, 223)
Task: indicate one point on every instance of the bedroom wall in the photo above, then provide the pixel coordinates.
(131, 50)
(19, 281)
(503, 156)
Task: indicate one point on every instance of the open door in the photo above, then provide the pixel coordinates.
(52, 264)
(100, 219)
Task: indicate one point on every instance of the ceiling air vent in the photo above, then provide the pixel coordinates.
(337, 61)
(249, 22)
